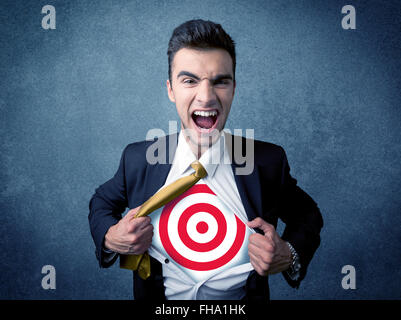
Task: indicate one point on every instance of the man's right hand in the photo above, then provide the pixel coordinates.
(129, 235)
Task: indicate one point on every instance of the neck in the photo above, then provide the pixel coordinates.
(196, 149)
(195, 143)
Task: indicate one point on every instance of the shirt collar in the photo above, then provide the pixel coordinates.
(210, 159)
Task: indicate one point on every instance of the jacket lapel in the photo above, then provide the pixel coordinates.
(159, 171)
(248, 185)
(249, 190)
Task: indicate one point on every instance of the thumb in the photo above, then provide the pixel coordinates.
(131, 213)
(260, 224)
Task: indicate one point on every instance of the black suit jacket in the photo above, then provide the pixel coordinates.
(268, 192)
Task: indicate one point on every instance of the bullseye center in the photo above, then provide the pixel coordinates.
(202, 227)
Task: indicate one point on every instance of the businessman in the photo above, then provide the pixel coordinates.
(201, 83)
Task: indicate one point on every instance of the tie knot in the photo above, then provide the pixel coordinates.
(200, 171)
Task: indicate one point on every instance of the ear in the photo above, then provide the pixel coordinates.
(170, 91)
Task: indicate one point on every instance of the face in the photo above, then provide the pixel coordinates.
(202, 89)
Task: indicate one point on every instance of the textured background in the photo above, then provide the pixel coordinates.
(72, 98)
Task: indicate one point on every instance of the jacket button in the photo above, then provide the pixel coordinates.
(166, 261)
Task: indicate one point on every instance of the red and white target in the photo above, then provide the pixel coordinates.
(199, 232)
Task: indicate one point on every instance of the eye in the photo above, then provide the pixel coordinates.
(188, 81)
(222, 82)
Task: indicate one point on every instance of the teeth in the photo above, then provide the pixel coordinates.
(206, 113)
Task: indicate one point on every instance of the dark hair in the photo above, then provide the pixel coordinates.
(199, 34)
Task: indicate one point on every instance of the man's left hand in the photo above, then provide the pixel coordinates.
(268, 253)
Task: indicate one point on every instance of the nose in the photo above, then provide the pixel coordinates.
(206, 94)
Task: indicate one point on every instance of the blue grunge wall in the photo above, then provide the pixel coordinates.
(72, 98)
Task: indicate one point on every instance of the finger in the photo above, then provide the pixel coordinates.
(255, 267)
(144, 245)
(262, 255)
(142, 236)
(260, 224)
(262, 242)
(143, 222)
(261, 264)
(131, 213)
(264, 250)
(254, 262)
(148, 239)
(135, 225)
(267, 229)
(138, 249)
(145, 231)
(260, 267)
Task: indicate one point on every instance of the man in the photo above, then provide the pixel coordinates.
(202, 85)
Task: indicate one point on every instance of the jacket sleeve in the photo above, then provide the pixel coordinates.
(302, 218)
(105, 209)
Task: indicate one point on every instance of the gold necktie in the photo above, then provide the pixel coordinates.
(142, 262)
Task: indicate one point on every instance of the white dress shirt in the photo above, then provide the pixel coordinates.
(230, 283)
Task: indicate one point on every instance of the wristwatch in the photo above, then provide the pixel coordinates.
(295, 266)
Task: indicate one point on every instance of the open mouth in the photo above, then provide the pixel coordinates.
(205, 119)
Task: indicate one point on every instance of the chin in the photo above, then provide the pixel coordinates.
(201, 140)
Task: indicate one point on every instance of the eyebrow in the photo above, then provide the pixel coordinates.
(214, 79)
